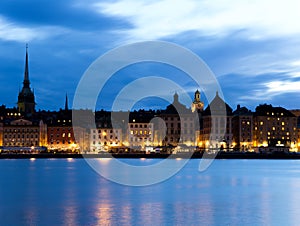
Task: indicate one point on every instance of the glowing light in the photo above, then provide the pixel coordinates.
(178, 159)
(32, 159)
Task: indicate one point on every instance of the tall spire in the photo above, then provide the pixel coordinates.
(26, 72)
(66, 103)
(26, 98)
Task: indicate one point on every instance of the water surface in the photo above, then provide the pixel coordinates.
(230, 192)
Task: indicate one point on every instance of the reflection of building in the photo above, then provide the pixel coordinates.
(242, 128)
(23, 133)
(26, 102)
(274, 127)
(217, 132)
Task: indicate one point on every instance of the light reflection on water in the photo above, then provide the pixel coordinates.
(230, 192)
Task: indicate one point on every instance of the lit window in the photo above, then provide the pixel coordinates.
(261, 123)
(131, 132)
(273, 128)
(282, 123)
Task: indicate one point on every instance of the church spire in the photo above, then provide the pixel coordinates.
(66, 103)
(26, 98)
(26, 82)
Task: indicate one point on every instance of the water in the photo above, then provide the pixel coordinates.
(230, 192)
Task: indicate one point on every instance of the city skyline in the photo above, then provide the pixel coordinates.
(255, 58)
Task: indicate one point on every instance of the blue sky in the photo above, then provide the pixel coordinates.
(253, 47)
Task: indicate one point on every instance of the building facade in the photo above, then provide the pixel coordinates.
(105, 139)
(217, 122)
(274, 127)
(23, 133)
(242, 129)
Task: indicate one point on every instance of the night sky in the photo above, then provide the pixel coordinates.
(253, 47)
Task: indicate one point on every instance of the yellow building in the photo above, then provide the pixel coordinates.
(23, 133)
(274, 127)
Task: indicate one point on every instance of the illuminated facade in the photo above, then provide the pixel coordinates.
(103, 139)
(61, 138)
(180, 124)
(140, 134)
(242, 129)
(217, 122)
(274, 127)
(23, 133)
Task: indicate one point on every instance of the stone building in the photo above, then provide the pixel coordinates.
(242, 129)
(23, 133)
(180, 124)
(274, 127)
(217, 131)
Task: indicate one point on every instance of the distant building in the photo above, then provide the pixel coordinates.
(217, 131)
(26, 100)
(242, 129)
(60, 136)
(104, 139)
(274, 127)
(180, 124)
(140, 134)
(23, 133)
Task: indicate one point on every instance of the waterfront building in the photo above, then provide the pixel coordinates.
(242, 129)
(140, 133)
(180, 124)
(26, 99)
(105, 139)
(23, 133)
(60, 136)
(217, 131)
(274, 127)
(296, 112)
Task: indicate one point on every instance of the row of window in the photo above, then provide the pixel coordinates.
(140, 132)
(140, 126)
(21, 136)
(135, 139)
(62, 135)
(20, 130)
(105, 137)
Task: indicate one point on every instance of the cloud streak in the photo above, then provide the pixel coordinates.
(257, 19)
(10, 31)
